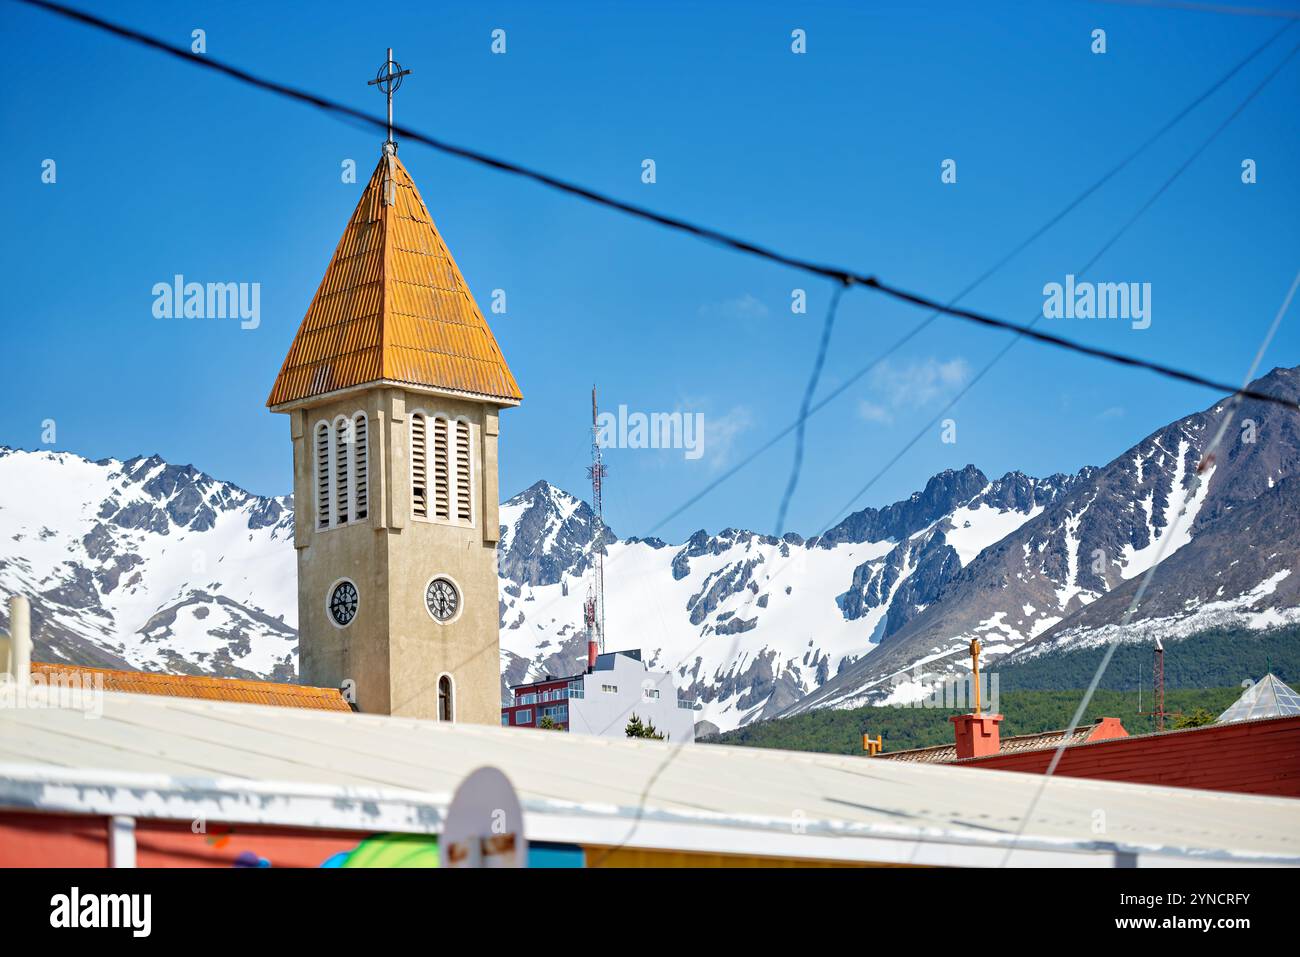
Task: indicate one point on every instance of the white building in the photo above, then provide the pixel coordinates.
(603, 699)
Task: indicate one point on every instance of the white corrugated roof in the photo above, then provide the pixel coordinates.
(240, 763)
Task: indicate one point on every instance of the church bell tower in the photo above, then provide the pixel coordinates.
(393, 386)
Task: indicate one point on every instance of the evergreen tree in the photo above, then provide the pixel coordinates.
(637, 729)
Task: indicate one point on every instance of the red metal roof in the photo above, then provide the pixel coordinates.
(1251, 757)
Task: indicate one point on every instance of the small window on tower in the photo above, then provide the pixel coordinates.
(361, 458)
(441, 471)
(445, 704)
(322, 476)
(464, 474)
(342, 456)
(419, 466)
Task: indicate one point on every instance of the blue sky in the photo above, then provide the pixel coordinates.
(833, 155)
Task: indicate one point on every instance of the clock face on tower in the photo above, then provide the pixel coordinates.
(343, 603)
(442, 599)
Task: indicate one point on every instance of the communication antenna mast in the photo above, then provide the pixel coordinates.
(596, 472)
(1157, 690)
(1139, 691)
(1160, 685)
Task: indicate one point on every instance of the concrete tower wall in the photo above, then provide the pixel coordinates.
(394, 652)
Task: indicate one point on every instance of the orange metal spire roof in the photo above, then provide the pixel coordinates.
(393, 307)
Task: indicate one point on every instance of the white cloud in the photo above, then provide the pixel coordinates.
(746, 307)
(721, 433)
(872, 412)
(912, 384)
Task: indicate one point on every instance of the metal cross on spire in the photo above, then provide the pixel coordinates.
(388, 79)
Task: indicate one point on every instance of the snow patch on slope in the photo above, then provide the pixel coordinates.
(1238, 612)
(975, 529)
(1138, 560)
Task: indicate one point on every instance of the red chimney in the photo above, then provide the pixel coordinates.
(977, 734)
(591, 656)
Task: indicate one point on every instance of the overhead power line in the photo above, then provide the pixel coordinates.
(806, 410)
(1006, 258)
(846, 276)
(1086, 268)
(1189, 495)
(801, 424)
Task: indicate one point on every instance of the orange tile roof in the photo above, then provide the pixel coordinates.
(200, 686)
(393, 306)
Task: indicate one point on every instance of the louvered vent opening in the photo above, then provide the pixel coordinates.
(463, 477)
(322, 476)
(419, 468)
(441, 474)
(361, 452)
(341, 449)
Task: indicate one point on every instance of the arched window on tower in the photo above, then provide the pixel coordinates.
(419, 466)
(442, 468)
(361, 466)
(446, 711)
(322, 476)
(342, 457)
(441, 471)
(464, 474)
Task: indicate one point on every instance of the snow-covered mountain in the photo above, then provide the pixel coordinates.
(750, 623)
(142, 564)
(1065, 579)
(148, 565)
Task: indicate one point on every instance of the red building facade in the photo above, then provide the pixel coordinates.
(539, 699)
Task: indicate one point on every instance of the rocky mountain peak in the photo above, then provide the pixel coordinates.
(141, 563)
